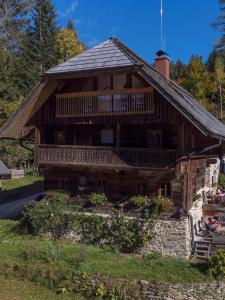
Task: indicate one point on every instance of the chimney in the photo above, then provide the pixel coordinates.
(162, 64)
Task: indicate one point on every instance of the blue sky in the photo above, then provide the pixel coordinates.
(187, 27)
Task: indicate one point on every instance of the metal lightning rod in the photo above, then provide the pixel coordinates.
(161, 14)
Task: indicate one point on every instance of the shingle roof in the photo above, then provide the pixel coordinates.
(179, 98)
(113, 54)
(3, 169)
(105, 55)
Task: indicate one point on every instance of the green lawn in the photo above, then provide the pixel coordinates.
(16, 248)
(17, 188)
(15, 289)
(17, 183)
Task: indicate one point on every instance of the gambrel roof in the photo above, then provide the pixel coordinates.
(113, 55)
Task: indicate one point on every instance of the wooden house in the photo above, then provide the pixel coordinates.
(107, 121)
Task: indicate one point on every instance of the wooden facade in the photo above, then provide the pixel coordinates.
(132, 138)
(122, 130)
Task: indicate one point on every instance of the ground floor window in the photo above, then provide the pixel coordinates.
(165, 190)
(141, 188)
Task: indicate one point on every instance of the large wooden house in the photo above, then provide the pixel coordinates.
(107, 121)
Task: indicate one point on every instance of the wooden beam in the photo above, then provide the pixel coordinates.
(117, 135)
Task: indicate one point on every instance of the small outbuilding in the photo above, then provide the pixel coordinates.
(4, 171)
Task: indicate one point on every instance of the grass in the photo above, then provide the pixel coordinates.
(20, 182)
(15, 189)
(94, 259)
(15, 289)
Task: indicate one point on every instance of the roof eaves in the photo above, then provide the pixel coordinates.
(91, 72)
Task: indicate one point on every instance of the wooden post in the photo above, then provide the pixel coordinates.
(117, 135)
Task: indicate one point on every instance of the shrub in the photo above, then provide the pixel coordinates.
(139, 200)
(97, 199)
(91, 228)
(217, 264)
(163, 203)
(129, 235)
(221, 181)
(49, 215)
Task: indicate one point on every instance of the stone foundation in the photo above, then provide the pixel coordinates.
(172, 238)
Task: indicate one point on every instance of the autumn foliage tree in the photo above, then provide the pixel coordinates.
(68, 44)
(198, 81)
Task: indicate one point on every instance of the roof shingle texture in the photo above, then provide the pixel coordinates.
(105, 55)
(113, 54)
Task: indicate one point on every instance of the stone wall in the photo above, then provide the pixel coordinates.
(212, 174)
(196, 211)
(206, 291)
(171, 238)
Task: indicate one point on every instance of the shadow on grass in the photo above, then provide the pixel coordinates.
(202, 267)
(21, 192)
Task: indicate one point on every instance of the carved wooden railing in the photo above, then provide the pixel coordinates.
(101, 103)
(106, 156)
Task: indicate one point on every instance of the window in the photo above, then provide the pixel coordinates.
(203, 183)
(60, 137)
(165, 190)
(107, 136)
(154, 138)
(141, 188)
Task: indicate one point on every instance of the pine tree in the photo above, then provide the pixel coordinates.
(13, 18)
(220, 25)
(219, 76)
(70, 25)
(43, 36)
(177, 70)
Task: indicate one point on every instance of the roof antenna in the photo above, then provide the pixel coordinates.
(161, 14)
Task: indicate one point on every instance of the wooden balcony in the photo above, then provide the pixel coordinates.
(105, 103)
(106, 156)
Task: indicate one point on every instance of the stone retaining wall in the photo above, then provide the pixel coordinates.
(207, 291)
(172, 238)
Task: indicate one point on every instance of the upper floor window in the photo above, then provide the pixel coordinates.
(60, 137)
(154, 138)
(107, 136)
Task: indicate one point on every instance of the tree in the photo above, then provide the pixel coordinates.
(12, 19)
(198, 81)
(68, 44)
(220, 25)
(70, 25)
(42, 36)
(220, 82)
(177, 70)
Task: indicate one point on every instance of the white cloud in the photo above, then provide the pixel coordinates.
(70, 9)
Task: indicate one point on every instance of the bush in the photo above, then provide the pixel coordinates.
(129, 235)
(221, 181)
(217, 264)
(163, 203)
(49, 216)
(97, 199)
(91, 228)
(139, 200)
(56, 217)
